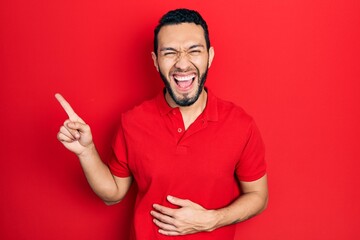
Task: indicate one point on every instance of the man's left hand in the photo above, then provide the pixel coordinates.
(189, 218)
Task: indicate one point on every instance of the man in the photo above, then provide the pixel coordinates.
(198, 161)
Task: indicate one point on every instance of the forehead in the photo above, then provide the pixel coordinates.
(181, 35)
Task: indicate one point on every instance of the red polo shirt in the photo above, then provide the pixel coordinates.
(201, 164)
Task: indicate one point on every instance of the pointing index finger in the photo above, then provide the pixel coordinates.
(68, 109)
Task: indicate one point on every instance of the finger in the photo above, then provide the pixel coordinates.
(67, 107)
(163, 218)
(164, 210)
(164, 226)
(169, 233)
(64, 138)
(70, 131)
(65, 132)
(178, 201)
(78, 126)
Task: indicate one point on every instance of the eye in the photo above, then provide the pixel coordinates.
(195, 52)
(169, 54)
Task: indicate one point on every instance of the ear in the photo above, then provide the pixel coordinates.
(154, 57)
(211, 55)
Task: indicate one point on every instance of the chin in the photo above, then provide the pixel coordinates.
(185, 101)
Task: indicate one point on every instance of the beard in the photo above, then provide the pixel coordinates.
(186, 100)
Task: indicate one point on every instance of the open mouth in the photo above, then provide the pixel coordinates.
(184, 81)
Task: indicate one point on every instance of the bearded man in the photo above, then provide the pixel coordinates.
(198, 161)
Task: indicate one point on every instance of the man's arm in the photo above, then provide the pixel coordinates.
(191, 217)
(76, 136)
(253, 201)
(111, 189)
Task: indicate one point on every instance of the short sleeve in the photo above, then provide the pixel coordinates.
(118, 163)
(251, 165)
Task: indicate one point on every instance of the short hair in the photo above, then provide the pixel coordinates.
(178, 16)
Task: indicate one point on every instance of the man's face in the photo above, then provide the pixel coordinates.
(183, 61)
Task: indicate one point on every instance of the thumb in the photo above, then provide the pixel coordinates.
(178, 201)
(79, 126)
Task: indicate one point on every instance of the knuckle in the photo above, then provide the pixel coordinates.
(61, 137)
(72, 131)
(180, 230)
(62, 129)
(176, 223)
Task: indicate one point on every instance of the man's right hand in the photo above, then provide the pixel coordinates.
(74, 134)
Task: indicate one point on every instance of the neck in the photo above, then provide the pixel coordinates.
(190, 113)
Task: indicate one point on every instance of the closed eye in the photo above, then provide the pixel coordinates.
(169, 53)
(195, 52)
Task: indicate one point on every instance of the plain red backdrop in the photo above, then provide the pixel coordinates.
(293, 65)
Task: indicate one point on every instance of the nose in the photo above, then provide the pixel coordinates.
(182, 62)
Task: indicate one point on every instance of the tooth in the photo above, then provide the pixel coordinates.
(184, 78)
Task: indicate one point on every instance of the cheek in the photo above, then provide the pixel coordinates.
(165, 66)
(201, 63)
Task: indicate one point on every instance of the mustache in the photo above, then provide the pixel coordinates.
(184, 70)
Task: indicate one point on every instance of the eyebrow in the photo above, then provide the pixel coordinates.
(196, 46)
(167, 49)
(173, 49)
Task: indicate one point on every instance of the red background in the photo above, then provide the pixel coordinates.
(293, 65)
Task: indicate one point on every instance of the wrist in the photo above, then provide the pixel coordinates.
(88, 152)
(216, 218)
(219, 218)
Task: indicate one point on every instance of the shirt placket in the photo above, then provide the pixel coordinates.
(178, 127)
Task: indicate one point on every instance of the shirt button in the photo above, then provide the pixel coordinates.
(179, 130)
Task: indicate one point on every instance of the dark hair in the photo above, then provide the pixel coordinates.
(179, 16)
